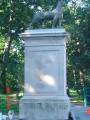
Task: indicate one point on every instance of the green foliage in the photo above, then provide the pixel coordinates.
(76, 22)
(14, 17)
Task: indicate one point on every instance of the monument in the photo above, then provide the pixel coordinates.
(45, 96)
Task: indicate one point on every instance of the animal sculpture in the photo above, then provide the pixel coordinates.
(55, 15)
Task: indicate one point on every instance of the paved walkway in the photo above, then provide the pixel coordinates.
(79, 112)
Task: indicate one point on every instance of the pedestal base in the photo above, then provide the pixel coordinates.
(44, 108)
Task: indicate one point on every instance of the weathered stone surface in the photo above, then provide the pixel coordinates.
(45, 95)
(44, 107)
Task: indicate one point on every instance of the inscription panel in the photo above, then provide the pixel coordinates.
(43, 71)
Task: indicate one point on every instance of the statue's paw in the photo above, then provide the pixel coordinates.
(43, 27)
(60, 27)
(53, 27)
(30, 28)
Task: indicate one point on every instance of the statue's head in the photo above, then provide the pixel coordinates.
(63, 3)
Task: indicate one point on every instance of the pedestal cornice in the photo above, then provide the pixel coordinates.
(45, 33)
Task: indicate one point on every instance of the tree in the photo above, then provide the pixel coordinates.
(12, 18)
(78, 51)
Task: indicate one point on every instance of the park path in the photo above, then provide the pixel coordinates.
(79, 112)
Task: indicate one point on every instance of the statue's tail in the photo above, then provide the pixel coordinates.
(30, 26)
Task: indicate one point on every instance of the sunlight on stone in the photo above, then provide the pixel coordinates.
(52, 58)
(30, 89)
(45, 78)
(48, 79)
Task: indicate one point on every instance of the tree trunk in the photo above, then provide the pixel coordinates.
(82, 77)
(74, 73)
(88, 24)
(4, 63)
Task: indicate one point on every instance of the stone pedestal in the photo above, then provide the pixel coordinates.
(45, 95)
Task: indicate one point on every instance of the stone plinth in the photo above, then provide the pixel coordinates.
(45, 95)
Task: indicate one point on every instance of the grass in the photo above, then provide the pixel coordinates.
(74, 96)
(78, 99)
(73, 93)
(3, 103)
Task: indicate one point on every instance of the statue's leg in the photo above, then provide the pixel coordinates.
(30, 25)
(42, 24)
(54, 22)
(60, 23)
(34, 20)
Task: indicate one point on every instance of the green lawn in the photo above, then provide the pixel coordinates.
(74, 96)
(3, 103)
(78, 99)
